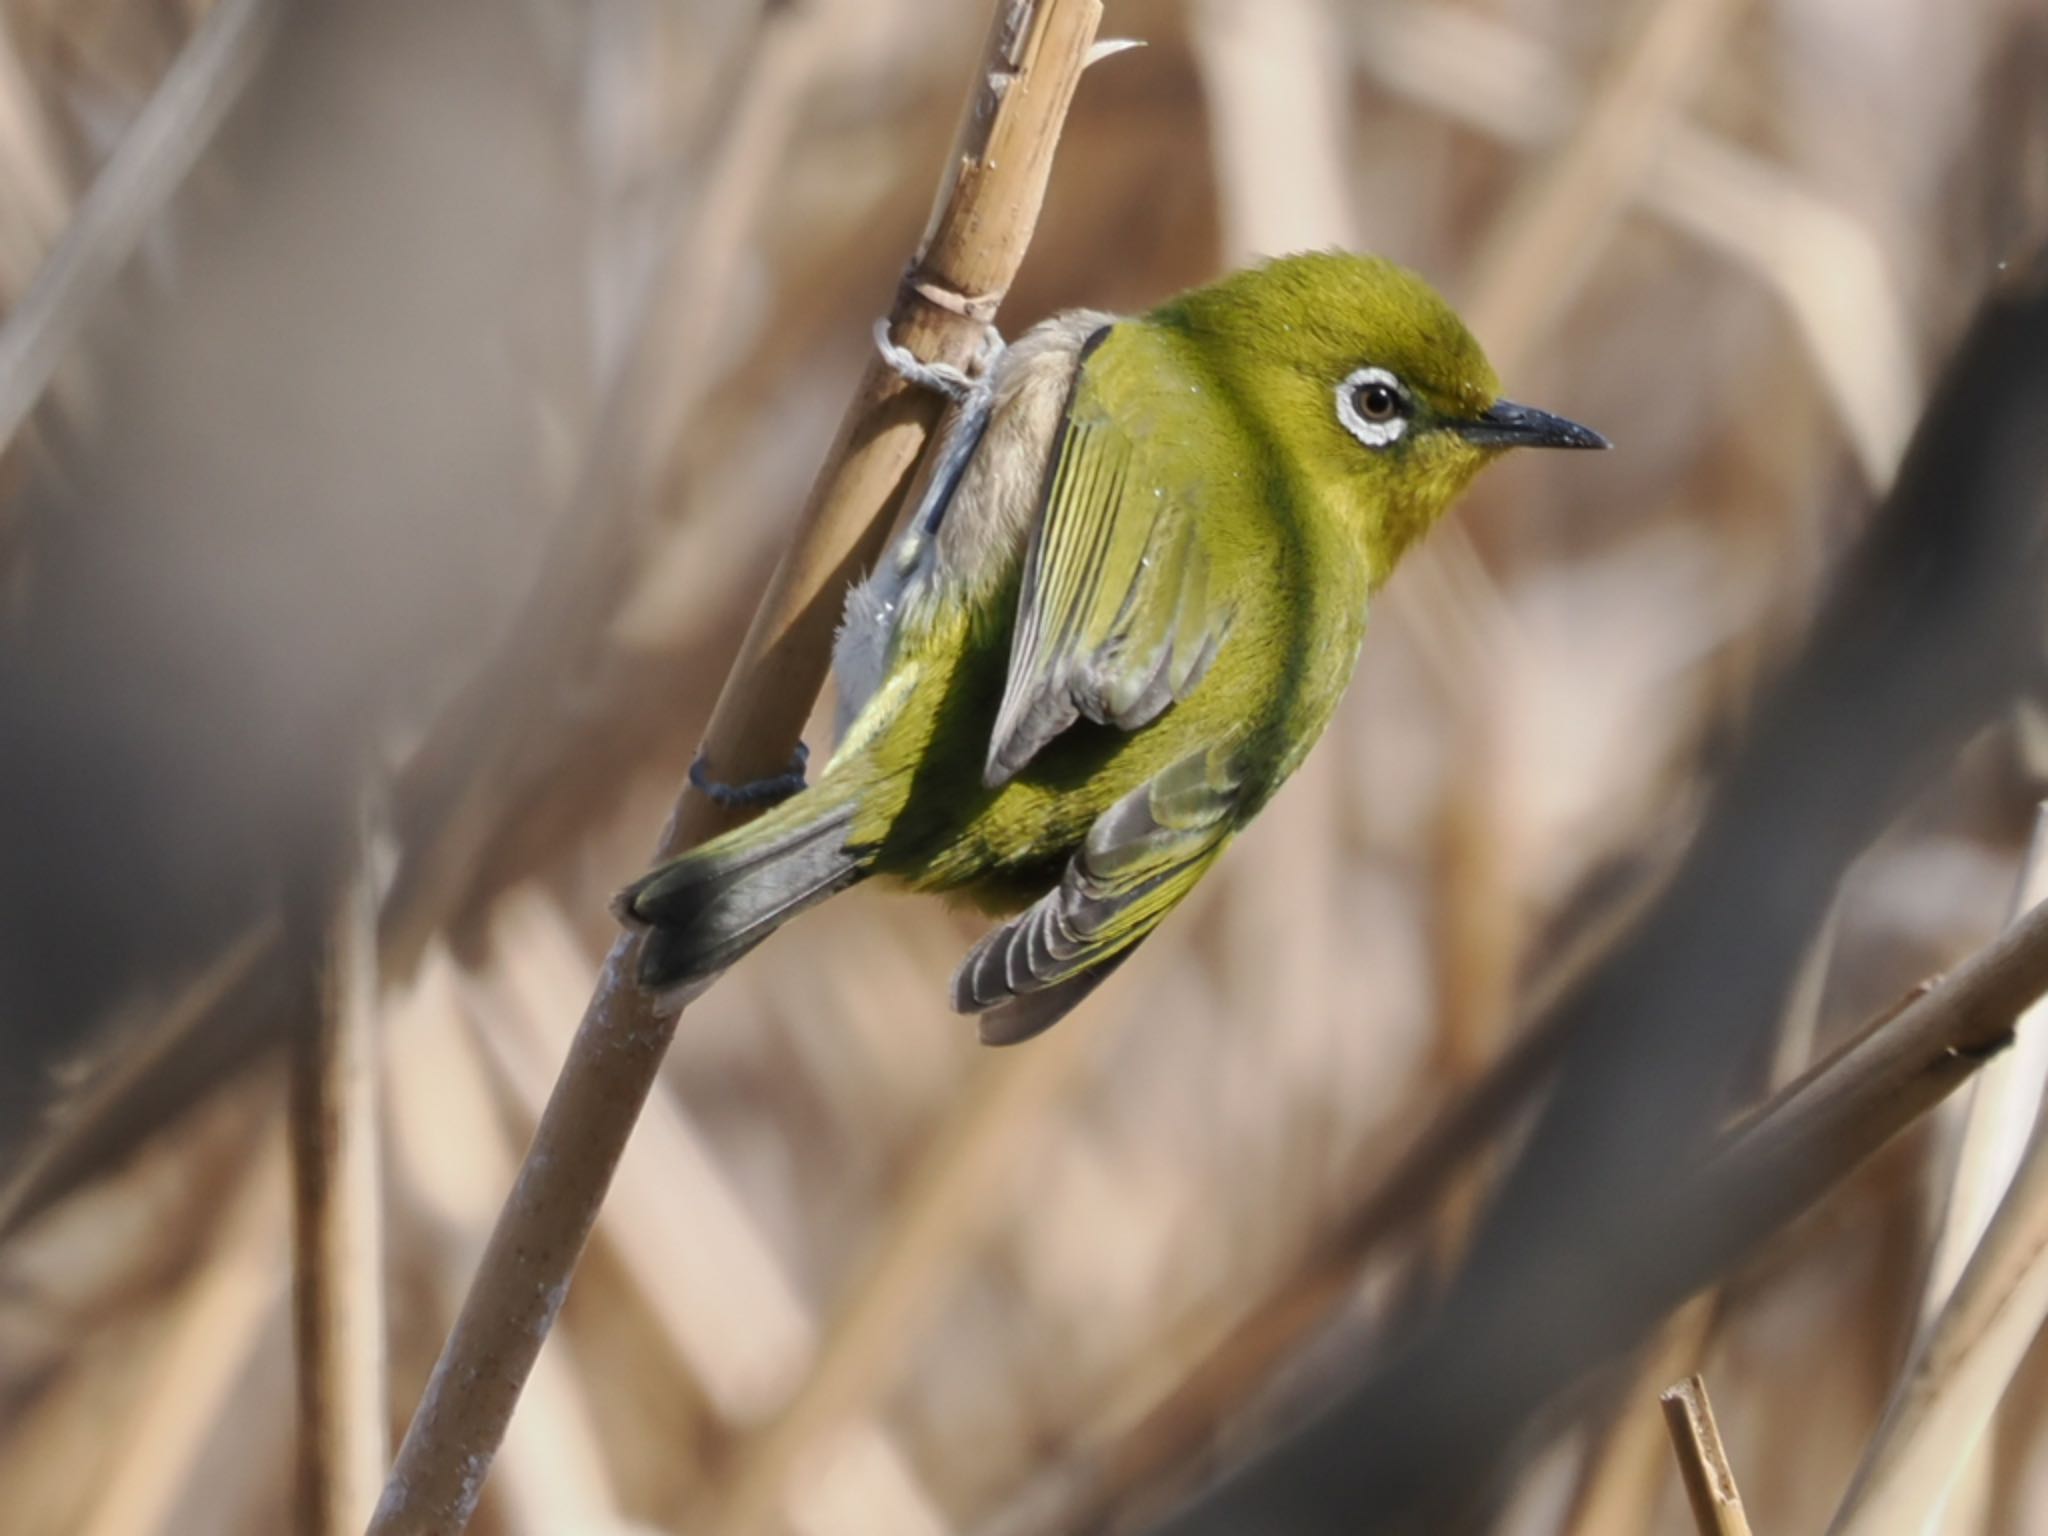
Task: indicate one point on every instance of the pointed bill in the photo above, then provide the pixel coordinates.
(1504, 424)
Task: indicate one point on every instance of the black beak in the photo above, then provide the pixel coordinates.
(1508, 425)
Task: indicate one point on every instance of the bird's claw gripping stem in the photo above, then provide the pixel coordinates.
(940, 378)
(973, 398)
(755, 793)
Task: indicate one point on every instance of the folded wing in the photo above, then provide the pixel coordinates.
(1120, 612)
(1142, 856)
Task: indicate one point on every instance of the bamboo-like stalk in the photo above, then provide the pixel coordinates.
(971, 250)
(1702, 1460)
(338, 1323)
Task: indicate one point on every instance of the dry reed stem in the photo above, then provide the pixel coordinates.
(2002, 1105)
(1627, 1466)
(146, 167)
(967, 259)
(720, 1297)
(981, 225)
(1988, 1314)
(218, 1318)
(339, 1333)
(1998, 1117)
(1819, 1130)
(1809, 1136)
(1702, 1460)
(1800, 1026)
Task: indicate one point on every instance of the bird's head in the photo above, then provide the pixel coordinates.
(1369, 385)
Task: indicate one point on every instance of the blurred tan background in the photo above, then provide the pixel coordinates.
(439, 432)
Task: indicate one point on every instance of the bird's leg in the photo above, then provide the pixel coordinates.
(962, 388)
(992, 349)
(973, 397)
(755, 793)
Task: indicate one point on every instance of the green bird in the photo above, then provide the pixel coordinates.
(1120, 615)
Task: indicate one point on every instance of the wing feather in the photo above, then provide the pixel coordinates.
(1141, 857)
(1118, 616)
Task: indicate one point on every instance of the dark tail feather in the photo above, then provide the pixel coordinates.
(709, 907)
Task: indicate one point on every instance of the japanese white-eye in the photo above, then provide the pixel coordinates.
(1122, 613)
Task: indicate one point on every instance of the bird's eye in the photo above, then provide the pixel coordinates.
(1376, 402)
(1374, 406)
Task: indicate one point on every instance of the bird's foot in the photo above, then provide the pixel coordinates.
(941, 378)
(755, 793)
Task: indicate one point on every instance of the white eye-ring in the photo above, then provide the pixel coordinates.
(1374, 406)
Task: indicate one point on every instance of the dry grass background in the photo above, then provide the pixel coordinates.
(453, 414)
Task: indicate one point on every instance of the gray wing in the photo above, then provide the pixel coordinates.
(1142, 856)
